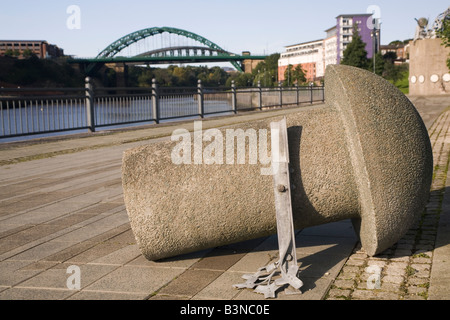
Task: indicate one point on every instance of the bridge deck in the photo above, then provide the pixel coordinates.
(167, 59)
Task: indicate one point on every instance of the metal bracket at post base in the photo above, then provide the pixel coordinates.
(262, 281)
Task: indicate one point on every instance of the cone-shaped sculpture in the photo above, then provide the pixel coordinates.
(365, 156)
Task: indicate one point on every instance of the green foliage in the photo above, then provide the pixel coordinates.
(380, 64)
(177, 76)
(403, 83)
(395, 42)
(444, 34)
(396, 74)
(37, 72)
(241, 80)
(12, 53)
(294, 75)
(27, 54)
(267, 71)
(355, 54)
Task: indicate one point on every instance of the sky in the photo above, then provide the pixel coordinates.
(258, 26)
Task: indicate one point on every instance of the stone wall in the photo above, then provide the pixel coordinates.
(428, 74)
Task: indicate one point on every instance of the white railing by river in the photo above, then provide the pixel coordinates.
(30, 111)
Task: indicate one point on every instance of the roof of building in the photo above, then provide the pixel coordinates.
(299, 44)
(23, 41)
(354, 15)
(333, 27)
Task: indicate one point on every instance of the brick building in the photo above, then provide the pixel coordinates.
(41, 48)
(308, 55)
(400, 49)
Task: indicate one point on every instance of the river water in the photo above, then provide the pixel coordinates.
(49, 118)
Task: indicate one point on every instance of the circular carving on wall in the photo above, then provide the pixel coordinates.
(434, 78)
(413, 79)
(446, 77)
(421, 79)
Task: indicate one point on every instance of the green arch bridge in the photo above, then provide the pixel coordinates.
(205, 51)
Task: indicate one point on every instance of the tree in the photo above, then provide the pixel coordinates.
(27, 54)
(445, 35)
(393, 72)
(37, 72)
(264, 77)
(294, 75)
(288, 75)
(12, 53)
(270, 63)
(355, 54)
(299, 75)
(241, 80)
(396, 43)
(266, 71)
(380, 64)
(390, 56)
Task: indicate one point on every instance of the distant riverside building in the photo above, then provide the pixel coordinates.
(330, 47)
(249, 65)
(315, 56)
(400, 49)
(41, 48)
(308, 55)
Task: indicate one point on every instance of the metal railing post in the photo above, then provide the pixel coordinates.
(233, 97)
(155, 101)
(260, 95)
(90, 112)
(201, 104)
(281, 93)
(297, 98)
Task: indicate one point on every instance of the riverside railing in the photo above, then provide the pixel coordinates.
(25, 111)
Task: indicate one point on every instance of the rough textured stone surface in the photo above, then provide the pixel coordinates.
(365, 156)
(390, 152)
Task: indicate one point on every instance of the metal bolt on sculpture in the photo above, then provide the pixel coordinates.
(365, 155)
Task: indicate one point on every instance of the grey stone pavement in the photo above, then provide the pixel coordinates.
(61, 206)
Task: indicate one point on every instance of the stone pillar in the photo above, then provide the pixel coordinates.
(121, 70)
(428, 71)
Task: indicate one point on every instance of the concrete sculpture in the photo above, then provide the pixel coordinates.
(365, 156)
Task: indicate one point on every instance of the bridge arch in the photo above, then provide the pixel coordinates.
(122, 43)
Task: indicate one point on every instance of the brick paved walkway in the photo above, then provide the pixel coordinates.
(414, 268)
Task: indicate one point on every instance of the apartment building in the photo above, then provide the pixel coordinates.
(315, 56)
(309, 55)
